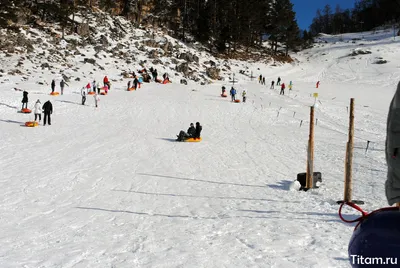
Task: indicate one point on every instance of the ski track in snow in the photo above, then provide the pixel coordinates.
(110, 187)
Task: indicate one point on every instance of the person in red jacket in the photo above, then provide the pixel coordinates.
(282, 89)
(106, 82)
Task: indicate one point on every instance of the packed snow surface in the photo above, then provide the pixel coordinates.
(110, 186)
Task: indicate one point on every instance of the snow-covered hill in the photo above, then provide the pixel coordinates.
(109, 187)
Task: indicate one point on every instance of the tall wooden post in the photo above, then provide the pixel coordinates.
(310, 152)
(348, 189)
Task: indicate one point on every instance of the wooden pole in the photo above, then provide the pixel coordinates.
(310, 152)
(348, 189)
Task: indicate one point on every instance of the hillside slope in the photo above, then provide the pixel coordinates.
(109, 187)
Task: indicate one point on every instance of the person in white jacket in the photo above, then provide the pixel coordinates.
(38, 110)
(96, 99)
(83, 93)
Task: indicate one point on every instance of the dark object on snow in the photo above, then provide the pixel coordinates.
(302, 179)
(183, 82)
(376, 238)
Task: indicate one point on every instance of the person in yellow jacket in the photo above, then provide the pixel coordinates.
(244, 95)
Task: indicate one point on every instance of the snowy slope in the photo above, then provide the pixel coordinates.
(109, 187)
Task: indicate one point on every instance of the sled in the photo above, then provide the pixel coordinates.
(31, 124)
(55, 93)
(91, 93)
(193, 140)
(224, 95)
(103, 93)
(131, 89)
(237, 101)
(26, 111)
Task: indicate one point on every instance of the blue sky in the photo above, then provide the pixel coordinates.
(306, 9)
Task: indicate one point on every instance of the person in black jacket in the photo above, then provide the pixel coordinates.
(53, 85)
(47, 110)
(191, 132)
(25, 99)
(199, 128)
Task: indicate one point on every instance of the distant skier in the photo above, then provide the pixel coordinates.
(290, 85)
(282, 89)
(278, 83)
(129, 85)
(260, 79)
(37, 109)
(83, 94)
(272, 84)
(53, 85)
(233, 93)
(263, 80)
(317, 84)
(47, 110)
(223, 90)
(244, 95)
(24, 99)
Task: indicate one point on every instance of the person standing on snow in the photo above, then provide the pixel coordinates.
(96, 99)
(263, 80)
(135, 83)
(47, 110)
(94, 86)
(106, 82)
(83, 93)
(233, 93)
(282, 89)
(260, 79)
(272, 84)
(98, 88)
(24, 99)
(37, 109)
(244, 95)
(53, 85)
(278, 83)
(62, 84)
(129, 85)
(290, 85)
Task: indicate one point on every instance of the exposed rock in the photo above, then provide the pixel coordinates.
(77, 79)
(45, 65)
(183, 81)
(213, 73)
(189, 57)
(157, 61)
(380, 62)
(360, 52)
(183, 68)
(174, 61)
(91, 61)
(153, 54)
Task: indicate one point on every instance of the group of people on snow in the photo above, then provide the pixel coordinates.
(62, 85)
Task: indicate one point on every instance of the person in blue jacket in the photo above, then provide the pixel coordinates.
(233, 93)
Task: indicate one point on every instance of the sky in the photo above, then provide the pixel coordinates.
(306, 9)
